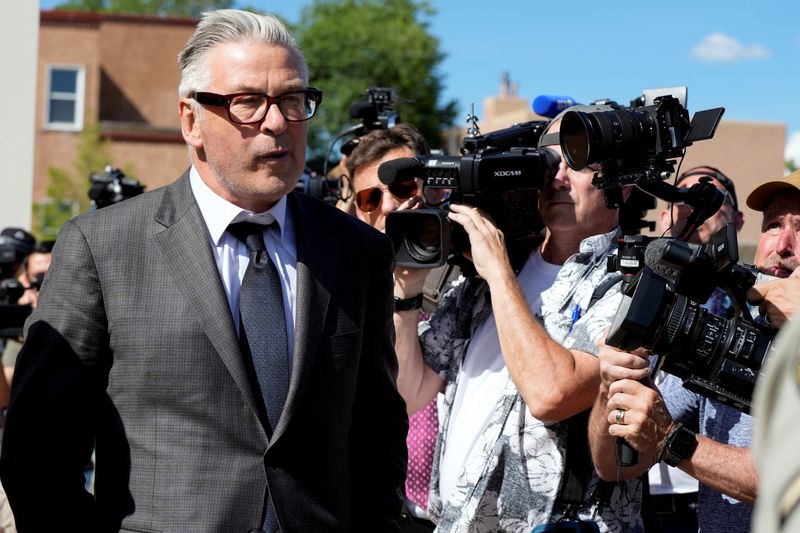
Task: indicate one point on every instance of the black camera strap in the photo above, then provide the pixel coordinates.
(578, 469)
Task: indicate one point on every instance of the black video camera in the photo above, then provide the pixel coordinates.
(716, 356)
(500, 172)
(635, 145)
(112, 186)
(12, 314)
(319, 187)
(377, 112)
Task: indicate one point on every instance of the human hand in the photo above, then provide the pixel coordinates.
(637, 413)
(617, 365)
(487, 243)
(777, 300)
(409, 282)
(415, 202)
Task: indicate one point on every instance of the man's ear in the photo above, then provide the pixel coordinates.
(190, 127)
(665, 220)
(738, 219)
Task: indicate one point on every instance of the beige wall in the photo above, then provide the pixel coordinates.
(142, 60)
(153, 164)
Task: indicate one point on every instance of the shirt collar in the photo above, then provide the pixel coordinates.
(219, 213)
(597, 245)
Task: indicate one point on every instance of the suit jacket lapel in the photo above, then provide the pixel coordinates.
(316, 271)
(186, 247)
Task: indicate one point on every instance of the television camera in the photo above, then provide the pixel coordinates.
(112, 186)
(667, 280)
(501, 172)
(376, 111)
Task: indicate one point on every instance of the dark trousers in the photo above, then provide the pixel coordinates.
(670, 513)
(411, 524)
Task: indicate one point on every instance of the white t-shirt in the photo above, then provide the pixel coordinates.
(483, 376)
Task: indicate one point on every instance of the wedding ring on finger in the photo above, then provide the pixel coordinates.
(620, 417)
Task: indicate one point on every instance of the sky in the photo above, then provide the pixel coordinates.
(740, 55)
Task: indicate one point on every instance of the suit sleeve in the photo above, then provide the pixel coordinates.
(56, 395)
(380, 419)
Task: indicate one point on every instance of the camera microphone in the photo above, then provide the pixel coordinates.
(547, 105)
(363, 110)
(399, 169)
(654, 259)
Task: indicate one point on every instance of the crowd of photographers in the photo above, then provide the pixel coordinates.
(515, 354)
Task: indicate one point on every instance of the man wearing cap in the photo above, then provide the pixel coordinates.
(779, 244)
(513, 354)
(777, 402)
(715, 438)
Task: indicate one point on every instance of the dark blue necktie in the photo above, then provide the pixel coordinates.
(262, 331)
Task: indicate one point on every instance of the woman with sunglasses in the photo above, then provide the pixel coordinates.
(373, 201)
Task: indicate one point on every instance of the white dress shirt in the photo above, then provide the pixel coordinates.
(232, 255)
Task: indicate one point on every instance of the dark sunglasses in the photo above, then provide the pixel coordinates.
(368, 200)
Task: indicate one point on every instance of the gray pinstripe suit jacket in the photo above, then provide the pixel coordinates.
(133, 347)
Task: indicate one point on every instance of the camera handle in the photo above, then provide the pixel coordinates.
(626, 454)
(703, 197)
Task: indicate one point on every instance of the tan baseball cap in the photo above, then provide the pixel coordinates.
(762, 195)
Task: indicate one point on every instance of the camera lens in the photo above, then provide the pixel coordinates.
(722, 354)
(425, 244)
(599, 136)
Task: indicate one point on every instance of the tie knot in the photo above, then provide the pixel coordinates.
(250, 233)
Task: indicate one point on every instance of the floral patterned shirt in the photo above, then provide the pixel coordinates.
(512, 479)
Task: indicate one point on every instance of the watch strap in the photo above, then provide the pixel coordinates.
(672, 454)
(408, 304)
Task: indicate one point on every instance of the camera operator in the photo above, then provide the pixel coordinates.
(510, 385)
(673, 219)
(15, 245)
(34, 267)
(372, 201)
(670, 503)
(777, 403)
(705, 439)
(18, 243)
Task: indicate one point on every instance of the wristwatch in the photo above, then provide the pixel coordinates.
(408, 304)
(679, 445)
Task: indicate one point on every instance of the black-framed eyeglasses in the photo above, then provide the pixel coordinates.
(249, 108)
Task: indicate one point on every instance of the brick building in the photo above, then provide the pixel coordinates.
(121, 72)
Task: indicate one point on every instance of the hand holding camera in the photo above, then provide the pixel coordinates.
(487, 243)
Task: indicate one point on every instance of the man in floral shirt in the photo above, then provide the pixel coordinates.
(510, 384)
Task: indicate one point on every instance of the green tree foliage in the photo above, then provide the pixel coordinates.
(175, 8)
(351, 45)
(67, 192)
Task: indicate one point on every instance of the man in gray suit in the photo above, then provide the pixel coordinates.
(137, 346)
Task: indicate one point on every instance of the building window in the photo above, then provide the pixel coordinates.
(64, 100)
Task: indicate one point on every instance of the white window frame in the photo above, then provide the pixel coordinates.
(77, 124)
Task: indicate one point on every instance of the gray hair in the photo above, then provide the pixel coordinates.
(229, 26)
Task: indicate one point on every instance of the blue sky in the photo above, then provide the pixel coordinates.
(741, 55)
